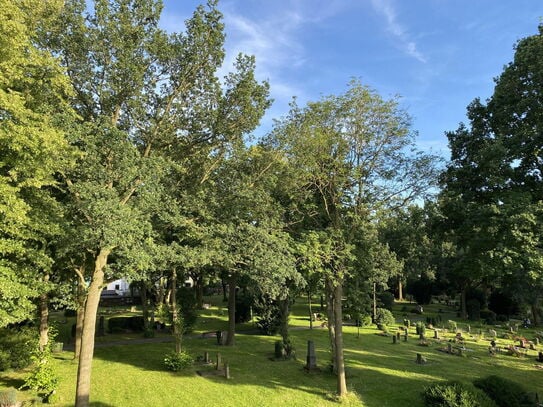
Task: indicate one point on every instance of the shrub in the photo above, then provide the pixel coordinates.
(488, 316)
(43, 377)
(70, 313)
(504, 392)
(452, 325)
(473, 307)
(16, 347)
(121, 324)
(386, 299)
(363, 320)
(384, 318)
(176, 361)
(269, 319)
(420, 328)
(455, 394)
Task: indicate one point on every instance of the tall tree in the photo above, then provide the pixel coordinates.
(496, 173)
(353, 157)
(33, 107)
(150, 105)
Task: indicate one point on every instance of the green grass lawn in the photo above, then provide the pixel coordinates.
(379, 373)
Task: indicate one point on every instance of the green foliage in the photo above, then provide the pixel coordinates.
(420, 328)
(505, 392)
(176, 361)
(187, 307)
(451, 325)
(16, 347)
(122, 324)
(43, 377)
(455, 394)
(386, 298)
(384, 318)
(8, 398)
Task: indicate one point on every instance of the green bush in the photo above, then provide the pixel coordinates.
(420, 328)
(175, 361)
(488, 316)
(16, 347)
(455, 394)
(504, 392)
(452, 325)
(384, 318)
(43, 377)
(386, 299)
(122, 324)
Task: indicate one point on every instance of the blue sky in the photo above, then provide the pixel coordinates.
(438, 55)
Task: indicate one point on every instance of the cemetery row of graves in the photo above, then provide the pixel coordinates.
(400, 363)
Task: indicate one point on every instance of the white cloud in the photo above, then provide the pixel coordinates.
(386, 8)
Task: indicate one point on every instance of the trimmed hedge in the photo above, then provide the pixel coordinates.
(505, 392)
(455, 394)
(122, 324)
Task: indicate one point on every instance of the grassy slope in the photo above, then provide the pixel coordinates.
(380, 373)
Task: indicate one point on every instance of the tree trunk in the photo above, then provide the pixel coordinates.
(463, 303)
(400, 289)
(535, 313)
(144, 305)
(199, 288)
(232, 282)
(285, 311)
(176, 322)
(82, 396)
(44, 321)
(374, 302)
(338, 320)
(329, 288)
(310, 309)
(80, 316)
(224, 286)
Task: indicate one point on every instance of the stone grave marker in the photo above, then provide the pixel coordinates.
(311, 359)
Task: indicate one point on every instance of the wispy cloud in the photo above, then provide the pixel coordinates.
(386, 8)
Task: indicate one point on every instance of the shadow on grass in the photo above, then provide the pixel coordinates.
(11, 382)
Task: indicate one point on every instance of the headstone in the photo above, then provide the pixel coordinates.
(101, 327)
(398, 334)
(493, 333)
(133, 309)
(421, 336)
(405, 336)
(420, 359)
(540, 357)
(218, 365)
(311, 360)
(536, 341)
(511, 329)
(206, 357)
(469, 329)
(436, 334)
(394, 340)
(449, 348)
(226, 371)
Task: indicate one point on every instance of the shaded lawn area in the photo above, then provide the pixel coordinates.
(379, 372)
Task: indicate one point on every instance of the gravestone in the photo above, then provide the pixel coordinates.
(468, 329)
(101, 327)
(405, 335)
(218, 365)
(226, 371)
(536, 341)
(311, 360)
(540, 357)
(206, 357)
(449, 348)
(436, 334)
(493, 333)
(394, 340)
(421, 360)
(398, 335)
